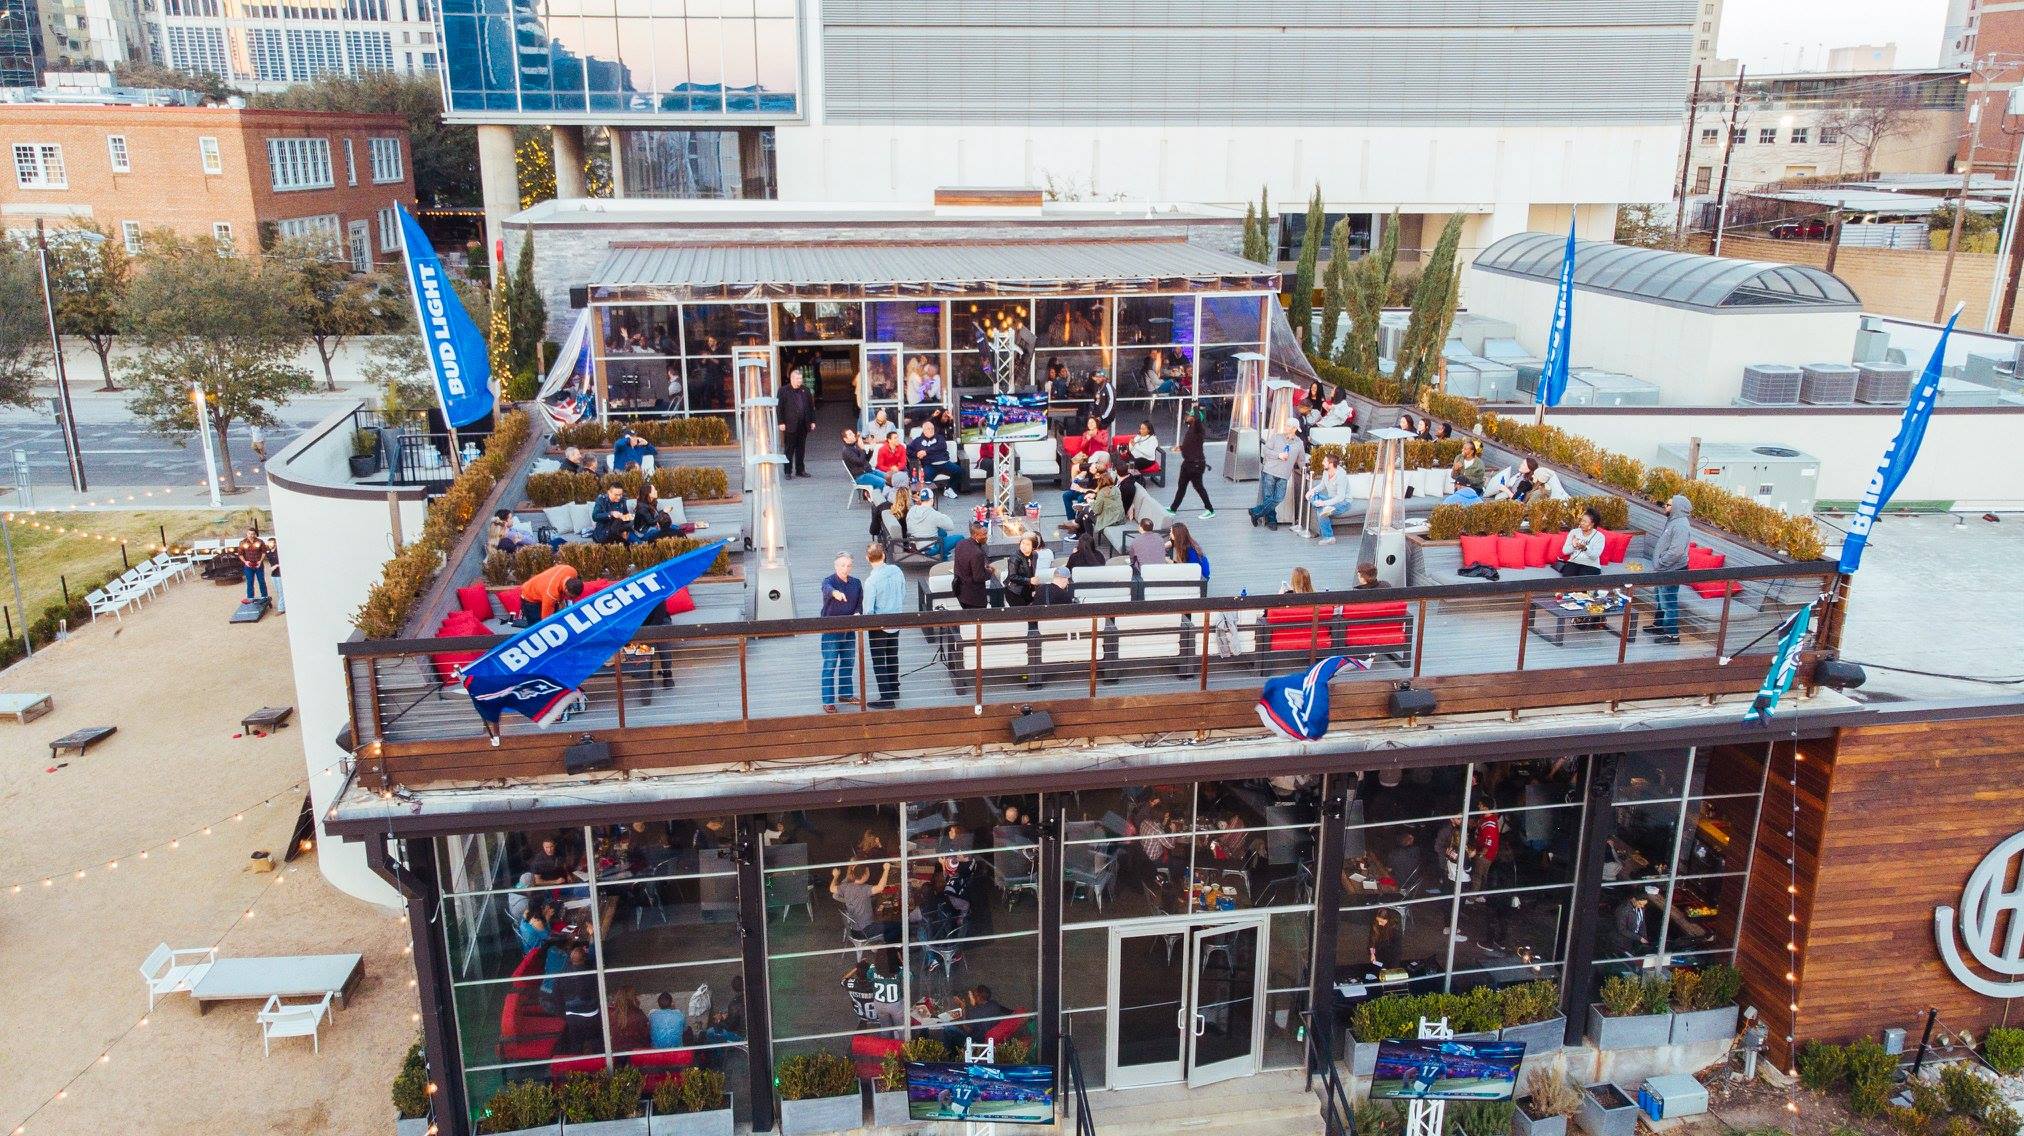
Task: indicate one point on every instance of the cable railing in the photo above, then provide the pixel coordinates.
(1071, 1067)
(1338, 1116)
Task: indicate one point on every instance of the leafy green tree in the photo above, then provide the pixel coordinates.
(330, 302)
(1334, 288)
(445, 154)
(1433, 311)
(156, 77)
(24, 336)
(1302, 311)
(1369, 284)
(221, 324)
(88, 272)
(1258, 232)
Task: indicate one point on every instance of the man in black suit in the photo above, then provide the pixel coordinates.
(973, 570)
(797, 420)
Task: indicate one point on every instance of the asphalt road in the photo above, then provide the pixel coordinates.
(119, 452)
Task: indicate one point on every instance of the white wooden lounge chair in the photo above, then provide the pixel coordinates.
(296, 1019)
(171, 971)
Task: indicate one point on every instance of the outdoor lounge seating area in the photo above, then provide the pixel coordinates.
(146, 580)
(296, 992)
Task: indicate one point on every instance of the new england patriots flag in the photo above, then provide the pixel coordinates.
(1296, 706)
(536, 672)
(1897, 461)
(1784, 667)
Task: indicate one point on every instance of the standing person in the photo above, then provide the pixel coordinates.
(797, 419)
(1103, 400)
(1280, 454)
(252, 553)
(1193, 465)
(1633, 922)
(1581, 552)
(1669, 554)
(973, 570)
(885, 593)
(1329, 498)
(274, 571)
(841, 596)
(547, 591)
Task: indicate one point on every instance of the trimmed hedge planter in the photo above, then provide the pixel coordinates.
(411, 1126)
(1524, 1124)
(714, 1122)
(821, 1114)
(633, 1126)
(1696, 1026)
(1629, 1031)
(1607, 1110)
(889, 1110)
(1363, 1058)
(1540, 1038)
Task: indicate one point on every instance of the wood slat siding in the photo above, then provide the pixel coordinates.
(1892, 820)
(420, 764)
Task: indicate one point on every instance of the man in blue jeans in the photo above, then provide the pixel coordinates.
(1669, 554)
(252, 554)
(841, 596)
(1276, 459)
(1329, 497)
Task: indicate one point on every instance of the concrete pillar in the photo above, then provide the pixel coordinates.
(617, 160)
(499, 184)
(569, 163)
(1507, 218)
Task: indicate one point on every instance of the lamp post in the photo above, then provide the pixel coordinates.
(204, 435)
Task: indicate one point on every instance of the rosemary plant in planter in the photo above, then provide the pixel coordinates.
(1704, 1004)
(1549, 1101)
(1632, 1013)
(521, 1107)
(1532, 1017)
(693, 1105)
(889, 1095)
(818, 1093)
(603, 1104)
(411, 1094)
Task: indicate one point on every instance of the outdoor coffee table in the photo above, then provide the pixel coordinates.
(26, 707)
(1551, 606)
(267, 719)
(290, 976)
(81, 740)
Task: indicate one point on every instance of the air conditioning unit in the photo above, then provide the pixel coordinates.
(1883, 384)
(1827, 384)
(1778, 476)
(1770, 384)
(1608, 388)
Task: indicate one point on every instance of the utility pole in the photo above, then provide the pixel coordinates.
(1686, 157)
(1833, 239)
(1728, 151)
(2008, 251)
(66, 414)
(1960, 210)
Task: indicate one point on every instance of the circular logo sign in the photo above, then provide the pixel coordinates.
(1984, 902)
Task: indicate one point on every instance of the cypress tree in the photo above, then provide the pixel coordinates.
(1368, 285)
(1335, 284)
(1433, 312)
(1301, 312)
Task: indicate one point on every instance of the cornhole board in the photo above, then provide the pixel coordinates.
(250, 611)
(267, 719)
(81, 740)
(26, 706)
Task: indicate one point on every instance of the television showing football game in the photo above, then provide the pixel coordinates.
(1008, 1094)
(1447, 1070)
(1003, 418)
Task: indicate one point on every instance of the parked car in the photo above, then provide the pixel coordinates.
(1803, 229)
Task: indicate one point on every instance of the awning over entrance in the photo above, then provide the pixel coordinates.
(838, 270)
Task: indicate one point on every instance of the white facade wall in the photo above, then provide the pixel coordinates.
(1695, 357)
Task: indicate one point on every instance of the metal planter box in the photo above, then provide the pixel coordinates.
(1637, 1031)
(821, 1114)
(889, 1110)
(1363, 1058)
(716, 1122)
(1703, 1025)
(411, 1126)
(637, 1126)
(1606, 1110)
(1540, 1038)
(1523, 1125)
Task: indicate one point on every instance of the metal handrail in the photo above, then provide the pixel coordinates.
(1071, 1064)
(1338, 1117)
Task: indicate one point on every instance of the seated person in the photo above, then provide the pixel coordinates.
(1104, 509)
(1081, 483)
(857, 461)
(610, 521)
(881, 424)
(853, 888)
(1095, 439)
(1146, 546)
(532, 931)
(1144, 448)
(930, 452)
(1468, 468)
(1464, 494)
(630, 450)
(507, 534)
(667, 1026)
(1330, 497)
(1337, 413)
(1512, 483)
(573, 461)
(651, 522)
(978, 1014)
(1058, 589)
(929, 529)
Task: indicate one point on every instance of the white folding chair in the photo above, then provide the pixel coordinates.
(171, 971)
(297, 1019)
(102, 603)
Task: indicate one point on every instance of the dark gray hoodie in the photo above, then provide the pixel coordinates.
(1669, 551)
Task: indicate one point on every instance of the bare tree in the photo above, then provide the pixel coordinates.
(1872, 116)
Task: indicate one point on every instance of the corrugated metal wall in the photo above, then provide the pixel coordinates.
(1364, 62)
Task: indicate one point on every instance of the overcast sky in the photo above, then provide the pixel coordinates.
(1770, 35)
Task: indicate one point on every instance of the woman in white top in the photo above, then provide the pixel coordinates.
(1145, 447)
(1546, 484)
(1581, 552)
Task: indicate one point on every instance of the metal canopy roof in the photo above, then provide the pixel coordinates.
(847, 269)
(1679, 279)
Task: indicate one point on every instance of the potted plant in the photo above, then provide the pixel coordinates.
(365, 452)
(1388, 1018)
(521, 1107)
(694, 1104)
(603, 1104)
(1013, 1051)
(818, 1093)
(1549, 1101)
(1476, 1015)
(1704, 1004)
(889, 1094)
(411, 1094)
(1607, 1110)
(1633, 1013)
(1532, 1017)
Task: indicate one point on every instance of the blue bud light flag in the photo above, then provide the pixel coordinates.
(537, 671)
(1897, 461)
(455, 347)
(1296, 706)
(1784, 667)
(1560, 339)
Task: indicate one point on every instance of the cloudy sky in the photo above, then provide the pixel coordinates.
(1771, 35)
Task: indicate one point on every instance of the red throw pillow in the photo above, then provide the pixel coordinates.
(599, 584)
(1542, 549)
(475, 600)
(1615, 546)
(510, 599)
(1071, 445)
(1511, 551)
(1700, 558)
(681, 602)
(1479, 550)
(456, 624)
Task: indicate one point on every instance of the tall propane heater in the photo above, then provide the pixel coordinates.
(1247, 419)
(1384, 538)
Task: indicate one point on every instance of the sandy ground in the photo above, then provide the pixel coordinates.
(175, 679)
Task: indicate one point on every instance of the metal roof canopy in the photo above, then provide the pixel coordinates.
(841, 270)
(1677, 279)
(1862, 199)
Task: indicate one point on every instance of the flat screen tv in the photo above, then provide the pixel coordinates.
(1447, 1070)
(1013, 417)
(1003, 1094)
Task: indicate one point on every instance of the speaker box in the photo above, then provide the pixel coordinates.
(1032, 726)
(1412, 703)
(1838, 675)
(579, 299)
(585, 755)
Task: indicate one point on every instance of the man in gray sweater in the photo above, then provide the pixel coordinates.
(1669, 554)
(1276, 458)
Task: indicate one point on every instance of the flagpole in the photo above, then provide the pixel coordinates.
(422, 329)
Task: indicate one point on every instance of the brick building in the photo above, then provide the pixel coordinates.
(244, 176)
(1993, 43)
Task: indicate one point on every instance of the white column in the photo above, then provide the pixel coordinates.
(569, 162)
(1506, 218)
(499, 183)
(617, 161)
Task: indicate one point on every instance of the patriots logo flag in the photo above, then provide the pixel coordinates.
(536, 672)
(1784, 667)
(1296, 706)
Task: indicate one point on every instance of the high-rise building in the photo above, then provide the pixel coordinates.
(1957, 42)
(1707, 31)
(37, 36)
(267, 46)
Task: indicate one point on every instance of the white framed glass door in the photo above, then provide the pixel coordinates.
(878, 383)
(1226, 972)
(1186, 1000)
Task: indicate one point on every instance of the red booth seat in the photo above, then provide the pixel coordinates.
(1699, 559)
(1374, 624)
(1079, 442)
(1298, 628)
(868, 1053)
(1010, 1027)
(559, 1069)
(527, 1031)
(664, 1065)
(455, 625)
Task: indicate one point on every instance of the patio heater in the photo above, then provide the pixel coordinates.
(1247, 419)
(1384, 538)
(765, 479)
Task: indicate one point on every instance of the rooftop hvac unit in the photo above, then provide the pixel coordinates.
(1507, 351)
(1988, 369)
(1871, 344)
(1528, 378)
(1390, 337)
(1498, 380)
(1883, 384)
(1473, 330)
(1770, 383)
(1770, 474)
(1608, 388)
(1464, 379)
(1827, 384)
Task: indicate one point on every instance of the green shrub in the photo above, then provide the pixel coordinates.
(809, 1076)
(411, 1085)
(1686, 988)
(521, 1104)
(1549, 1094)
(586, 1098)
(1481, 1011)
(1530, 1002)
(524, 384)
(1478, 1118)
(1867, 1069)
(696, 1090)
(1721, 985)
(1621, 995)
(892, 1076)
(1821, 1065)
(1377, 1118)
(706, 483)
(699, 431)
(2005, 1050)
(1655, 994)
(1377, 388)
(1013, 1051)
